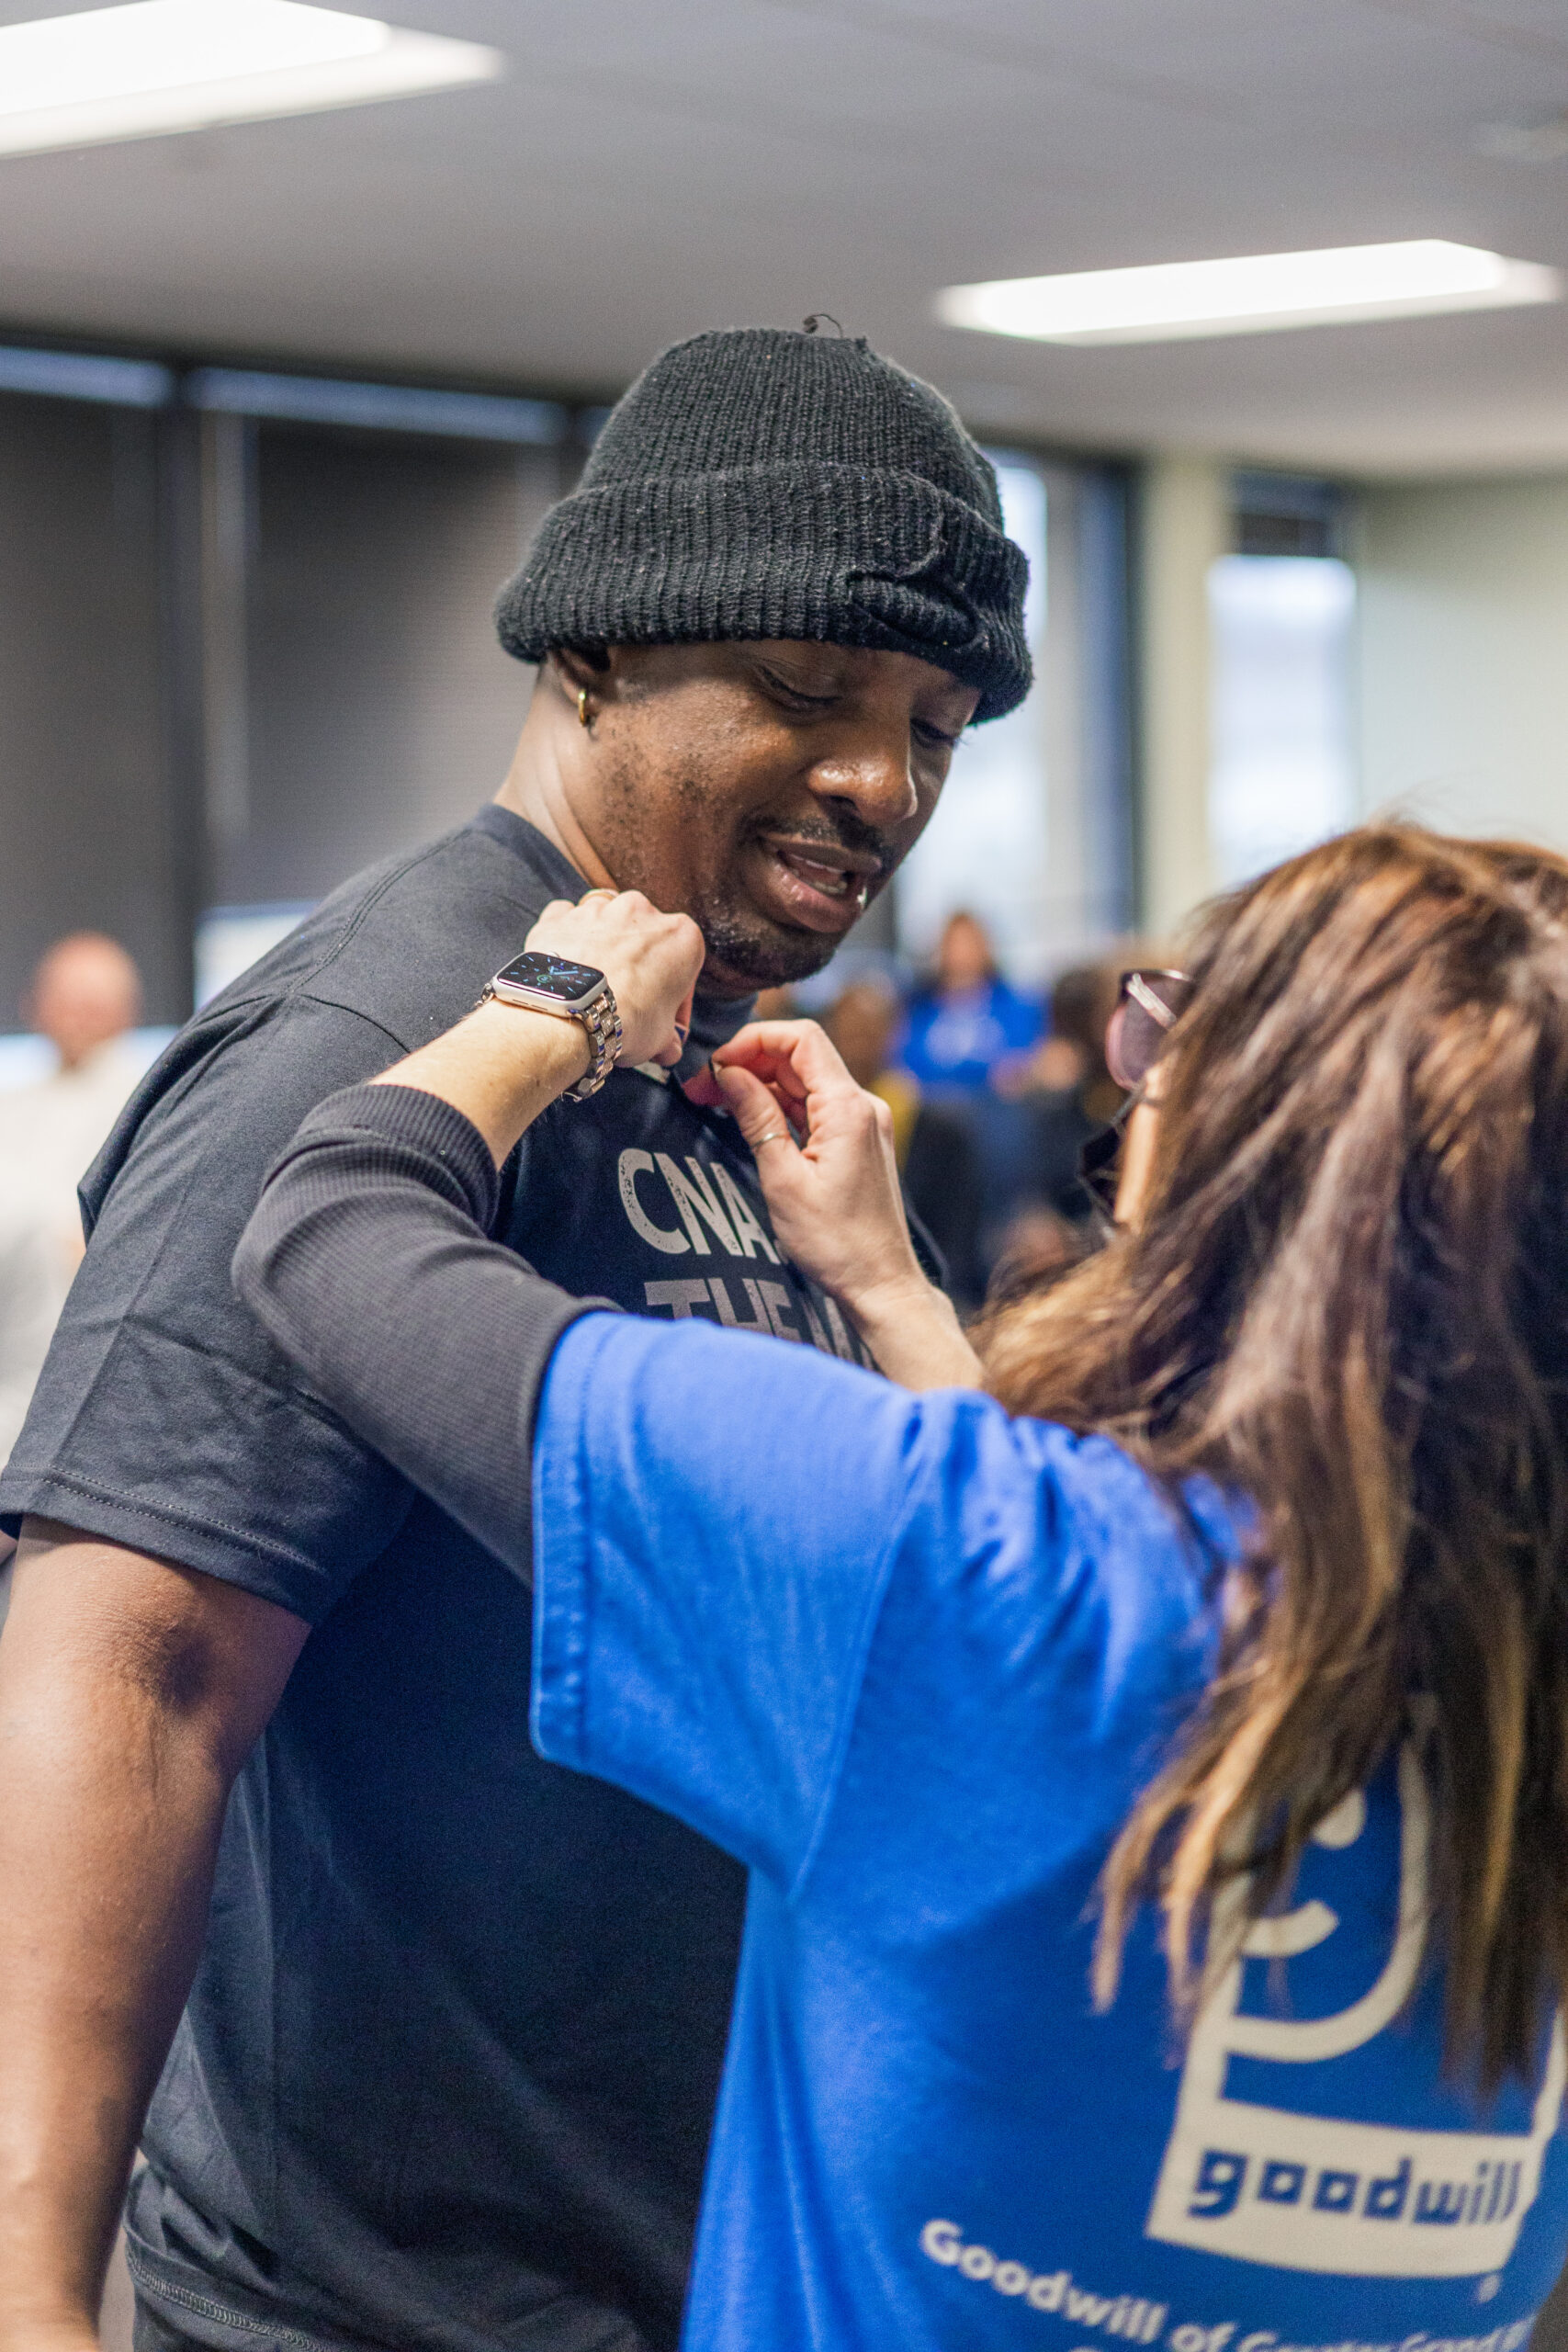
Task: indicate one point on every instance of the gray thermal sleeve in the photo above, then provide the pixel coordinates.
(368, 1263)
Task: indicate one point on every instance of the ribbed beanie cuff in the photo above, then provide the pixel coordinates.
(760, 484)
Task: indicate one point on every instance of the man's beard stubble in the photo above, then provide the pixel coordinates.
(760, 954)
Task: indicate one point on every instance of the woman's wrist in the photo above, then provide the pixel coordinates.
(912, 1329)
(531, 1040)
(879, 1296)
(501, 1067)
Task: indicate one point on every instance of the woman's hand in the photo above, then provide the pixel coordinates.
(651, 961)
(834, 1194)
(504, 1063)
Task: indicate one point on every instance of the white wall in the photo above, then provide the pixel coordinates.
(988, 847)
(1461, 658)
(1282, 752)
(1032, 832)
(1463, 655)
(1246, 733)
(1184, 520)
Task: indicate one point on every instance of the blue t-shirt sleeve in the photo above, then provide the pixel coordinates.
(745, 1553)
(714, 1520)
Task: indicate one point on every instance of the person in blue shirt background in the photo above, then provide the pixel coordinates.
(968, 1024)
(1153, 1774)
(968, 1042)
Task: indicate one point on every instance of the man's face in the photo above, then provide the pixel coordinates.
(762, 789)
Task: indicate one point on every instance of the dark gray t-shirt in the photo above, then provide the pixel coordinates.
(447, 2074)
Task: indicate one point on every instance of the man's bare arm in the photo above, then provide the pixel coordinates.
(130, 1692)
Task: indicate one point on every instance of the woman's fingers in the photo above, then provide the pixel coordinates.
(835, 1204)
(671, 1052)
(803, 1057)
(798, 1063)
(704, 1088)
(757, 1111)
(771, 1057)
(650, 959)
(796, 1056)
(766, 1049)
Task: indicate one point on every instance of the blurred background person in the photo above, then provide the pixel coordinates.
(937, 1159)
(1065, 1096)
(85, 997)
(776, 1005)
(1038, 1245)
(1071, 1097)
(968, 1029)
(968, 1042)
(1067, 1088)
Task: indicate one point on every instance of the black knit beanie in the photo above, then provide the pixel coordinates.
(759, 484)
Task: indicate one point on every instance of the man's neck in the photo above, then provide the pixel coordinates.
(535, 789)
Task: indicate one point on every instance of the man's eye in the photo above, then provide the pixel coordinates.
(937, 737)
(797, 695)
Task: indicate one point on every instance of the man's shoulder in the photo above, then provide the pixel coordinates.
(394, 956)
(409, 943)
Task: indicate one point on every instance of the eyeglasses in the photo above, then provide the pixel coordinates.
(1147, 1008)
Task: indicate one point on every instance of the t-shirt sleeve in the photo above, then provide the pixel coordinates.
(165, 1418)
(714, 1521)
(366, 1261)
(769, 1586)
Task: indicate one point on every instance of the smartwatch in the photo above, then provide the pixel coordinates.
(542, 983)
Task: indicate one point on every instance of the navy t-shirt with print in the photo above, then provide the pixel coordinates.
(913, 1668)
(447, 2074)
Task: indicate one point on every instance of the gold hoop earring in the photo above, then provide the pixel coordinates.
(584, 716)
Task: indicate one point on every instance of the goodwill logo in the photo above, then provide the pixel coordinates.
(1315, 2192)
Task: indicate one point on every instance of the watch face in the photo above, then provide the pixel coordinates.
(556, 977)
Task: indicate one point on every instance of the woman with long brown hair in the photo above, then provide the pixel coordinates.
(1348, 1298)
(1154, 1776)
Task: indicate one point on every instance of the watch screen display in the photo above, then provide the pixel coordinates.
(552, 976)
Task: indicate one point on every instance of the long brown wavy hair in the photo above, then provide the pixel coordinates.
(1348, 1297)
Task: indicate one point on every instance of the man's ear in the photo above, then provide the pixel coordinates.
(577, 666)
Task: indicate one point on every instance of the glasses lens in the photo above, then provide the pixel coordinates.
(1148, 1010)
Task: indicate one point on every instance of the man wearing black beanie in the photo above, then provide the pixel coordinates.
(450, 2046)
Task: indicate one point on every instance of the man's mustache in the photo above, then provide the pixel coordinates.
(849, 834)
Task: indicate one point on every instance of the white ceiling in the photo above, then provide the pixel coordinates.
(650, 170)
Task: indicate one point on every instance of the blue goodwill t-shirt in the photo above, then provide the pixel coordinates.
(911, 1660)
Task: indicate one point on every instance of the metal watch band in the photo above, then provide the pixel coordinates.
(602, 1024)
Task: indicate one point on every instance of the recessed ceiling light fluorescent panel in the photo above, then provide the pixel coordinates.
(1252, 294)
(164, 65)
